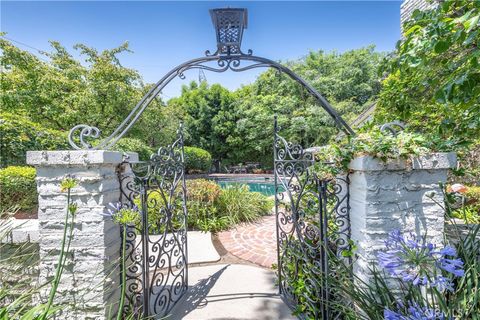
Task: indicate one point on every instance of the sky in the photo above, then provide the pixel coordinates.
(163, 34)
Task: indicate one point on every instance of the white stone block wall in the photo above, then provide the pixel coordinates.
(395, 195)
(19, 256)
(90, 283)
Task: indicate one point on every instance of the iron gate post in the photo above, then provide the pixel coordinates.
(322, 192)
(146, 255)
(275, 130)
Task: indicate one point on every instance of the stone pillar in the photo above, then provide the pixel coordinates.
(395, 195)
(89, 287)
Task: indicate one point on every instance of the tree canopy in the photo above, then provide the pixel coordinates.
(433, 81)
(238, 126)
(58, 91)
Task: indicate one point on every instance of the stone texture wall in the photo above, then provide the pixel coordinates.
(396, 195)
(408, 6)
(19, 256)
(89, 288)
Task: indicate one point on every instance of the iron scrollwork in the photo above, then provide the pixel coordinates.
(312, 218)
(157, 275)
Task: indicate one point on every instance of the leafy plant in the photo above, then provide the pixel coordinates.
(18, 263)
(413, 279)
(433, 81)
(197, 160)
(470, 214)
(134, 145)
(18, 188)
(240, 205)
(463, 202)
(203, 214)
(20, 135)
(20, 308)
(126, 217)
(209, 207)
(335, 157)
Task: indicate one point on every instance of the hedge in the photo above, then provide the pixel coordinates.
(197, 160)
(18, 188)
(19, 135)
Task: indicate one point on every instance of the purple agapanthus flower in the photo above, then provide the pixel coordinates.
(419, 263)
(122, 214)
(414, 312)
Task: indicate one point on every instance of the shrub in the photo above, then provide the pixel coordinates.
(473, 196)
(134, 145)
(202, 190)
(470, 214)
(209, 207)
(240, 205)
(203, 214)
(197, 160)
(18, 188)
(20, 135)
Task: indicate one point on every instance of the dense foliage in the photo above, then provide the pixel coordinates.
(197, 160)
(134, 145)
(240, 205)
(19, 135)
(238, 126)
(203, 211)
(334, 158)
(464, 202)
(433, 81)
(19, 300)
(18, 188)
(211, 208)
(58, 91)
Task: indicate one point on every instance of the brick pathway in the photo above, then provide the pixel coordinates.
(255, 242)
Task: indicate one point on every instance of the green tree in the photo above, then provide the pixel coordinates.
(348, 80)
(58, 91)
(209, 117)
(434, 76)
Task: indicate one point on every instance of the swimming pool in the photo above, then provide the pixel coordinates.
(263, 185)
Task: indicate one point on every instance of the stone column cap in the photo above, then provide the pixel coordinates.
(77, 157)
(432, 161)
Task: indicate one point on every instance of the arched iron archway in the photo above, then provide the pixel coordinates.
(227, 57)
(224, 63)
(157, 259)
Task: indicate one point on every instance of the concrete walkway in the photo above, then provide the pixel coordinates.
(233, 292)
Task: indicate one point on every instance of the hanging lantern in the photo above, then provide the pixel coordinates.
(229, 24)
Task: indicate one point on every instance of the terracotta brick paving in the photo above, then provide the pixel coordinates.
(255, 242)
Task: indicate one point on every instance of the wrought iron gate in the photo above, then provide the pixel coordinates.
(312, 219)
(156, 247)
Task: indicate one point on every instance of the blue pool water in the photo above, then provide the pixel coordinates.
(261, 185)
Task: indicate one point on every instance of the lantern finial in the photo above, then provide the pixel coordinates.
(229, 24)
